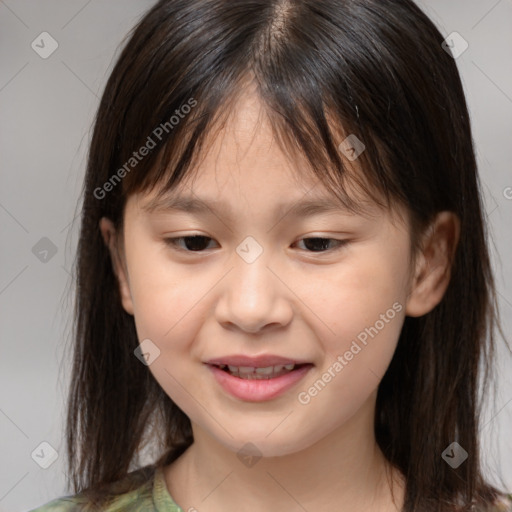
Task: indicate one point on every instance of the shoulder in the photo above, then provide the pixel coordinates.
(126, 502)
(133, 493)
(503, 504)
(65, 504)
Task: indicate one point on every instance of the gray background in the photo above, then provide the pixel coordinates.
(47, 108)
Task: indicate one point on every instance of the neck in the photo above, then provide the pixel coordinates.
(345, 470)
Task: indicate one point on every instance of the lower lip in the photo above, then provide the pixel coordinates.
(258, 390)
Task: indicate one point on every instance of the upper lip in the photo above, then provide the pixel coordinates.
(262, 361)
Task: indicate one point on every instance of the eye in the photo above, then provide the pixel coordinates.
(193, 243)
(321, 244)
(198, 243)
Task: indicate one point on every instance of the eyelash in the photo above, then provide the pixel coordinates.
(173, 242)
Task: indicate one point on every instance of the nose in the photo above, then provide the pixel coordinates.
(254, 296)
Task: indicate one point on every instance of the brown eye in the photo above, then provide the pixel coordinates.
(193, 243)
(318, 244)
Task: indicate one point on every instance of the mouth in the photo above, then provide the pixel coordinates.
(260, 373)
(258, 383)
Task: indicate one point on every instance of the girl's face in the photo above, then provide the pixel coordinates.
(256, 286)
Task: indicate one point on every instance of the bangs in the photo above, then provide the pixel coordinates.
(316, 89)
(312, 138)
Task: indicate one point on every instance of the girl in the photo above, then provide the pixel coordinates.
(284, 289)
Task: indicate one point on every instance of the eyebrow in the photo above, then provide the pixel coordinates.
(191, 204)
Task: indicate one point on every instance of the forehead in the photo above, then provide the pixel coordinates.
(244, 161)
(226, 186)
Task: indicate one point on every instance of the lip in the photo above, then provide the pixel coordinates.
(258, 390)
(261, 361)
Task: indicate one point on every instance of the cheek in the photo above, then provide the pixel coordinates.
(357, 356)
(161, 293)
(169, 309)
(355, 295)
(361, 309)
(167, 301)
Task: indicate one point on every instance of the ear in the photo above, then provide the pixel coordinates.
(111, 239)
(434, 265)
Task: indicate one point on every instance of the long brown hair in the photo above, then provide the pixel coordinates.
(374, 68)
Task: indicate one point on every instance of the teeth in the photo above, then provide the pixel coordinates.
(245, 369)
(265, 371)
(250, 372)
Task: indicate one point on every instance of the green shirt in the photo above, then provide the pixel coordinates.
(153, 496)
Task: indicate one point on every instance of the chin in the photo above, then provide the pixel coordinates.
(265, 445)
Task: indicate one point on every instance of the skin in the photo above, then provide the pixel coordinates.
(291, 301)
